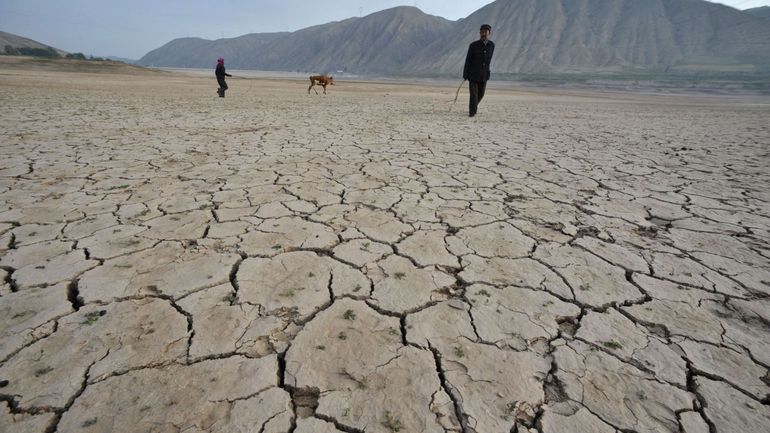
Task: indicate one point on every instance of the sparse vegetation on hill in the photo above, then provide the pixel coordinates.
(81, 56)
(34, 52)
(49, 53)
(73, 64)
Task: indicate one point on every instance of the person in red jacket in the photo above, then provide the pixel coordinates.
(476, 69)
(221, 74)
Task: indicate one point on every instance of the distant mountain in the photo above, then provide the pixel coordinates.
(384, 42)
(558, 36)
(762, 11)
(16, 42)
(379, 43)
(532, 36)
(241, 52)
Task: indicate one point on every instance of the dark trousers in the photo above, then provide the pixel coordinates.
(477, 89)
(222, 86)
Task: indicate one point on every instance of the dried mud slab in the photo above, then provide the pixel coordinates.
(168, 269)
(560, 419)
(92, 344)
(496, 240)
(53, 270)
(361, 252)
(116, 241)
(275, 236)
(517, 317)
(29, 315)
(730, 410)
(403, 380)
(594, 281)
(222, 326)
(314, 425)
(615, 333)
(428, 248)
(619, 393)
(514, 272)
(300, 283)
(490, 385)
(400, 286)
(229, 395)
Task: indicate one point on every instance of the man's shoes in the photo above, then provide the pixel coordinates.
(471, 114)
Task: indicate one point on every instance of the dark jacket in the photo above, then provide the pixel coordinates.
(478, 60)
(220, 72)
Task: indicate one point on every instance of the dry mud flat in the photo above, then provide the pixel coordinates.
(368, 261)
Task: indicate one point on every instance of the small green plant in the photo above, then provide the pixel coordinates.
(277, 247)
(230, 298)
(459, 352)
(365, 246)
(391, 422)
(357, 288)
(342, 336)
(288, 293)
(43, 371)
(112, 188)
(612, 345)
(93, 316)
(321, 347)
(88, 423)
(394, 332)
(349, 315)
(585, 286)
(483, 292)
(131, 242)
(362, 382)
(399, 275)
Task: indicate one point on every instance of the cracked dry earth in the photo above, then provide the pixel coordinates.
(368, 261)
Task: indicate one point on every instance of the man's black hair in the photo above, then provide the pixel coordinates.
(486, 27)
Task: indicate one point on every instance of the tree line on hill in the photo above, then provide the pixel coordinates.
(48, 52)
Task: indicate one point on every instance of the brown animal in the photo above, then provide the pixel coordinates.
(321, 80)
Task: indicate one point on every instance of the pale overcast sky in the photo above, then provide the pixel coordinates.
(131, 28)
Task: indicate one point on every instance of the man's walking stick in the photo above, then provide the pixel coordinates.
(456, 95)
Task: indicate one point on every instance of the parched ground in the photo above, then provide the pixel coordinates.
(370, 261)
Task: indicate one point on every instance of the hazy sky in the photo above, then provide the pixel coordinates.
(131, 28)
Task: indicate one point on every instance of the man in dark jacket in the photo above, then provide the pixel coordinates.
(221, 74)
(477, 67)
